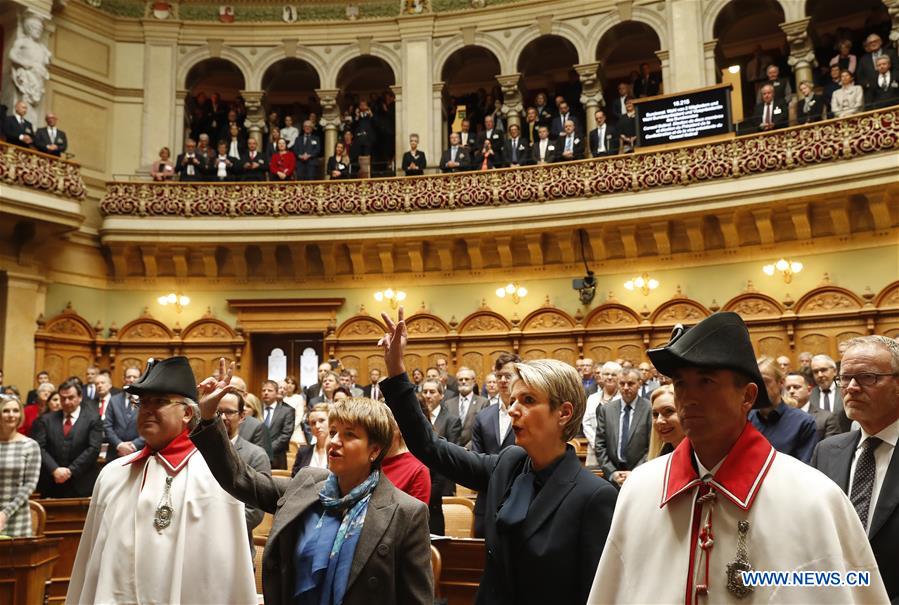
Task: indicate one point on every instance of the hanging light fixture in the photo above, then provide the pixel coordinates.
(644, 284)
(179, 301)
(513, 290)
(787, 268)
(394, 297)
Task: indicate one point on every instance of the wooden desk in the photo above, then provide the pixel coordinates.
(462, 563)
(25, 567)
(65, 520)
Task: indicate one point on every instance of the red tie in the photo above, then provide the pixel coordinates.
(67, 426)
(102, 406)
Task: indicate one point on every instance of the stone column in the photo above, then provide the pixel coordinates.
(415, 81)
(255, 114)
(22, 300)
(893, 10)
(399, 119)
(440, 139)
(802, 52)
(160, 115)
(685, 47)
(663, 56)
(591, 92)
(512, 100)
(711, 64)
(183, 123)
(330, 120)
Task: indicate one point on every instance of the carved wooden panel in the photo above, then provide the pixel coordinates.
(566, 354)
(475, 360)
(752, 305)
(484, 322)
(371, 362)
(207, 328)
(814, 343)
(828, 299)
(888, 297)
(632, 353)
(361, 327)
(679, 310)
(546, 319)
(424, 324)
(65, 345)
(770, 346)
(533, 353)
(145, 329)
(413, 360)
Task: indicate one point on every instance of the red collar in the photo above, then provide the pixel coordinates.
(739, 478)
(174, 456)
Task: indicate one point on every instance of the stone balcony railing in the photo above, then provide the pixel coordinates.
(27, 168)
(814, 144)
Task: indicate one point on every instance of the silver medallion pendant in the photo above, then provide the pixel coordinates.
(736, 567)
(164, 510)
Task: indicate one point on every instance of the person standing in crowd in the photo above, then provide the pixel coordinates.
(339, 164)
(780, 86)
(623, 427)
(518, 152)
(283, 163)
(831, 86)
(534, 489)
(885, 90)
(487, 158)
(364, 129)
(20, 468)
(716, 505)
(770, 113)
(849, 99)
(569, 145)
(315, 453)
(31, 412)
(51, 139)
(329, 525)
(314, 390)
(447, 426)
(627, 128)
(308, 149)
(120, 421)
(789, 430)
(826, 393)
(414, 161)
(811, 106)
(159, 528)
(162, 169)
(42, 377)
(278, 418)
(667, 432)
(606, 381)
(844, 59)
(18, 130)
(191, 165)
(867, 72)
(456, 158)
(70, 441)
(465, 405)
(648, 84)
(224, 166)
(798, 388)
(863, 463)
(252, 163)
(289, 132)
(404, 470)
(603, 138)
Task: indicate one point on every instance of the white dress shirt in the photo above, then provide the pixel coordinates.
(434, 413)
(505, 421)
(882, 456)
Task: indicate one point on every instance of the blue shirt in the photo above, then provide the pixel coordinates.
(789, 430)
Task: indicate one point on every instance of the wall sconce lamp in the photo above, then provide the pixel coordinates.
(394, 297)
(513, 290)
(179, 301)
(644, 284)
(787, 268)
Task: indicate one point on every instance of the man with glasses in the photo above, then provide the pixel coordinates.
(466, 404)
(160, 529)
(826, 394)
(864, 462)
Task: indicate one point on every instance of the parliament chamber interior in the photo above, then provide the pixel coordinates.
(273, 182)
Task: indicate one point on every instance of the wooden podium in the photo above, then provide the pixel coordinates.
(25, 567)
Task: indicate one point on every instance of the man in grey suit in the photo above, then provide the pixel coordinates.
(278, 417)
(466, 405)
(826, 394)
(449, 427)
(231, 408)
(864, 462)
(796, 385)
(622, 429)
(120, 421)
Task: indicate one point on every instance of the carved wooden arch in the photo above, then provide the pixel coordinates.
(547, 319)
(209, 329)
(889, 296)
(829, 299)
(68, 326)
(751, 305)
(425, 324)
(66, 344)
(679, 310)
(361, 327)
(144, 329)
(484, 321)
(612, 315)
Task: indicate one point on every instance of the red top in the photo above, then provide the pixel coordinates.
(409, 475)
(31, 414)
(283, 162)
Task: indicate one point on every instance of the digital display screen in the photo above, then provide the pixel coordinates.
(683, 117)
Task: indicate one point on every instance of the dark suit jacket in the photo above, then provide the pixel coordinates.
(554, 555)
(477, 404)
(833, 457)
(280, 428)
(648, 87)
(256, 433)
(607, 428)
(463, 157)
(578, 148)
(392, 562)
(231, 171)
(550, 155)
(866, 71)
(313, 148)
(78, 452)
(825, 422)
(201, 167)
(12, 130)
(343, 167)
(497, 140)
(448, 426)
(485, 440)
(253, 174)
(815, 112)
(255, 457)
(421, 162)
(120, 424)
(876, 97)
(557, 126)
(42, 139)
(780, 115)
(523, 149)
(611, 141)
(837, 406)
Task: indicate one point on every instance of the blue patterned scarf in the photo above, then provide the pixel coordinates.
(324, 554)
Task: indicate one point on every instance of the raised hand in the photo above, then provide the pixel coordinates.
(211, 391)
(394, 343)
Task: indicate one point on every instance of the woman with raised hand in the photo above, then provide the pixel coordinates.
(547, 517)
(339, 536)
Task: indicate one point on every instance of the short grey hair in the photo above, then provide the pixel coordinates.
(630, 372)
(195, 417)
(881, 342)
(822, 358)
(433, 381)
(610, 367)
(885, 58)
(561, 383)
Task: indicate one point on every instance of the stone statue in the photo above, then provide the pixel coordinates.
(29, 59)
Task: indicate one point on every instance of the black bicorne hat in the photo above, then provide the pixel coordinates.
(720, 341)
(172, 375)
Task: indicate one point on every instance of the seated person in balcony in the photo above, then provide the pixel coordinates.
(769, 113)
(648, 84)
(544, 112)
(627, 128)
(603, 138)
(849, 99)
(811, 106)
(543, 150)
(308, 149)
(833, 85)
(617, 107)
(163, 169)
(866, 73)
(253, 165)
(51, 139)
(290, 132)
(224, 166)
(339, 165)
(529, 129)
(364, 129)
(517, 150)
(557, 128)
(237, 144)
(283, 163)
(191, 165)
(456, 158)
(844, 59)
(487, 158)
(18, 130)
(467, 138)
(782, 90)
(492, 134)
(569, 146)
(885, 91)
(414, 161)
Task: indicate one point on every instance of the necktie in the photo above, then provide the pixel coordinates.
(463, 408)
(767, 113)
(103, 405)
(569, 143)
(514, 151)
(67, 426)
(825, 400)
(883, 81)
(268, 416)
(375, 392)
(863, 481)
(625, 429)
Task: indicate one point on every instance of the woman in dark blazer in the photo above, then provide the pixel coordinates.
(339, 166)
(811, 106)
(547, 517)
(379, 534)
(414, 161)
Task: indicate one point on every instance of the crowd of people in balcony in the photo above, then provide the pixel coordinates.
(49, 139)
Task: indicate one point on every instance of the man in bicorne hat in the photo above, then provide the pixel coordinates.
(688, 523)
(159, 528)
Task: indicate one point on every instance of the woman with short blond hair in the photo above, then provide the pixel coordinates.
(667, 432)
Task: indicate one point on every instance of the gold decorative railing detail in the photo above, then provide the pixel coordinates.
(27, 168)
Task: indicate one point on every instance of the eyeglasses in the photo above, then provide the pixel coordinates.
(865, 379)
(157, 402)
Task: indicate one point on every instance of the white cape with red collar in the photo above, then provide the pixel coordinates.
(202, 557)
(799, 521)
